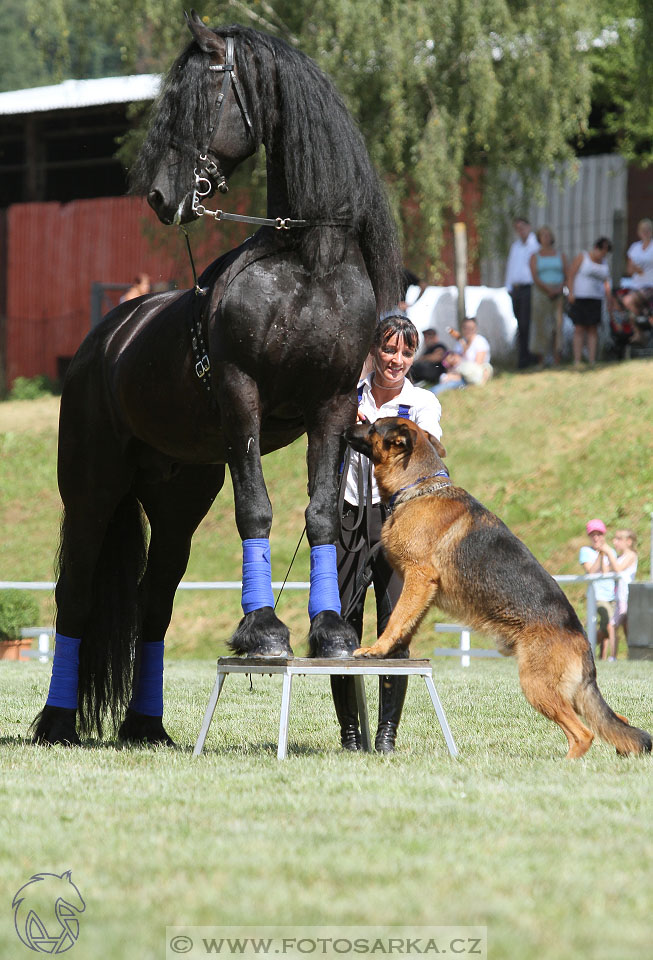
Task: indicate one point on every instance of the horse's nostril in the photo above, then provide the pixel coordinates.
(155, 199)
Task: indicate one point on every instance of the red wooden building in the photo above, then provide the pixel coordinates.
(67, 229)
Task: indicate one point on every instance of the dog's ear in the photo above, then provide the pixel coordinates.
(400, 436)
(437, 446)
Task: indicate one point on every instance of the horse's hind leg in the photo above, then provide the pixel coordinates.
(329, 635)
(94, 505)
(260, 632)
(174, 509)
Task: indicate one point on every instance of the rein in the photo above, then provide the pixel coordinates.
(396, 499)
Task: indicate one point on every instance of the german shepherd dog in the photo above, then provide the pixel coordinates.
(453, 552)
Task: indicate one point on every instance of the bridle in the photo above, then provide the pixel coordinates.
(207, 167)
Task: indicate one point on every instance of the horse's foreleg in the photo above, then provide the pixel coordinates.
(260, 633)
(174, 509)
(330, 635)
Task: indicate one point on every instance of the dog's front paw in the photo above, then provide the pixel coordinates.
(362, 652)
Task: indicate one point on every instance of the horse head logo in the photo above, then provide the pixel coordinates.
(45, 912)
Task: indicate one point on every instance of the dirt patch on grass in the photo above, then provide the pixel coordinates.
(23, 416)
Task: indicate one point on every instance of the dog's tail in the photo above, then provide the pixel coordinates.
(609, 725)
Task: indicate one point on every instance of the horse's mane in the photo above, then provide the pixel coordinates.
(303, 121)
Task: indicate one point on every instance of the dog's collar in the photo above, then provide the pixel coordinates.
(397, 497)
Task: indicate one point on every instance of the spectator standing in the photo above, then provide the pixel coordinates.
(589, 284)
(639, 264)
(519, 282)
(549, 271)
(594, 559)
(625, 564)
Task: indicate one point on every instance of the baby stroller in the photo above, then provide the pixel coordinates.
(630, 323)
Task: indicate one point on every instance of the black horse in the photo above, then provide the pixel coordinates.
(171, 387)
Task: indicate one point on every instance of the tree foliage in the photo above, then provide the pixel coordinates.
(619, 54)
(436, 85)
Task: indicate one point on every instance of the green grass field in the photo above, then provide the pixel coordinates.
(545, 451)
(553, 857)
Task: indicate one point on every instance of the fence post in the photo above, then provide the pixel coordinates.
(591, 616)
(465, 644)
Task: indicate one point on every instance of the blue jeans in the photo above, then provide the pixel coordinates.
(447, 385)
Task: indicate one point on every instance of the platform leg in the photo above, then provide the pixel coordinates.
(210, 710)
(433, 693)
(285, 712)
(361, 701)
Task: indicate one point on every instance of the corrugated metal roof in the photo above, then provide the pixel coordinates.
(80, 93)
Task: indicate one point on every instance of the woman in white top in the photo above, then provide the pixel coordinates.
(471, 362)
(589, 284)
(639, 264)
(384, 392)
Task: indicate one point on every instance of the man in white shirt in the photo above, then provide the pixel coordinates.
(519, 281)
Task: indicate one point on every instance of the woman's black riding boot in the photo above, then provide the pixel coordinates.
(392, 693)
(343, 690)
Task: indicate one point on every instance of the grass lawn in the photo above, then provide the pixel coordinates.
(553, 857)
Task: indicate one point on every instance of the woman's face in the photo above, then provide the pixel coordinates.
(644, 231)
(546, 238)
(468, 330)
(393, 360)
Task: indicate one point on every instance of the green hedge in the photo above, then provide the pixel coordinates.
(18, 608)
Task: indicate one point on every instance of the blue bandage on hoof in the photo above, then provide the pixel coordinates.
(324, 593)
(65, 673)
(148, 692)
(257, 575)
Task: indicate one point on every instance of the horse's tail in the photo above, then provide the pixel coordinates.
(106, 653)
(381, 251)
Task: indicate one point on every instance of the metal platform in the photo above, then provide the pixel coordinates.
(358, 668)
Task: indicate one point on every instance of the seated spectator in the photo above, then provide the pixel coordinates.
(630, 320)
(429, 341)
(432, 363)
(470, 365)
(639, 264)
(139, 288)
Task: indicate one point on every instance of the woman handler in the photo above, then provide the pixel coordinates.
(384, 392)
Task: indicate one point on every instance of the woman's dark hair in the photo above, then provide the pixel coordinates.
(396, 324)
(604, 243)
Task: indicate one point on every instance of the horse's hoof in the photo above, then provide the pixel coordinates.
(140, 728)
(261, 634)
(331, 637)
(55, 725)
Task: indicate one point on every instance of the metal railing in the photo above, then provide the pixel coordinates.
(587, 578)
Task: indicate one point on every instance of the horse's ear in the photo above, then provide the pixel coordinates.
(206, 39)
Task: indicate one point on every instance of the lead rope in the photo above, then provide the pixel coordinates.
(285, 580)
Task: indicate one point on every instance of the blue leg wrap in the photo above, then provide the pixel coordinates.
(324, 593)
(148, 693)
(65, 673)
(257, 575)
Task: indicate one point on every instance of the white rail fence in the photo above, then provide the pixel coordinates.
(44, 633)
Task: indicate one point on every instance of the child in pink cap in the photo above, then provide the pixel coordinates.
(596, 559)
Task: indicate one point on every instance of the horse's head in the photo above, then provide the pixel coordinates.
(201, 128)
